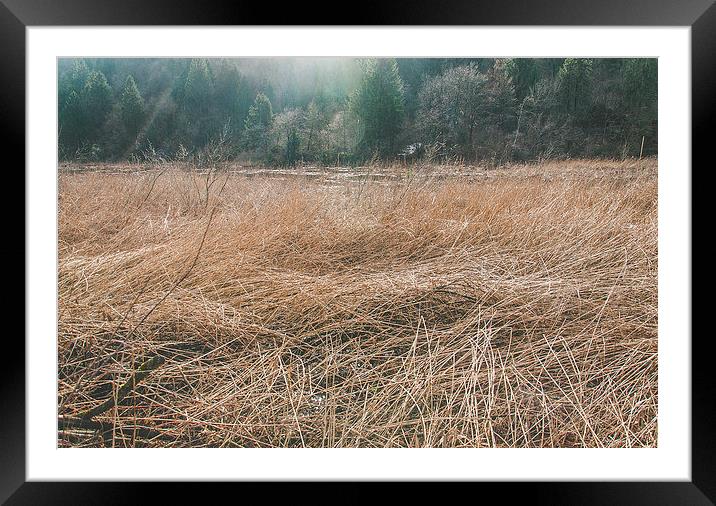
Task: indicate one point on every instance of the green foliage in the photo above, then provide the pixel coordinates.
(292, 145)
(201, 126)
(575, 79)
(258, 123)
(524, 73)
(342, 110)
(72, 124)
(97, 102)
(378, 104)
(640, 78)
(640, 97)
(228, 87)
(131, 107)
(198, 87)
(85, 101)
(500, 96)
(78, 76)
(542, 129)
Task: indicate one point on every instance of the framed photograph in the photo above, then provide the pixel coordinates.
(443, 244)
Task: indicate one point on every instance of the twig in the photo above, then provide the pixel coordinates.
(178, 281)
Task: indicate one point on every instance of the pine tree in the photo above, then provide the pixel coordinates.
(198, 88)
(575, 84)
(65, 86)
(378, 103)
(72, 121)
(524, 73)
(97, 103)
(351, 109)
(198, 97)
(258, 123)
(72, 124)
(227, 89)
(640, 96)
(131, 106)
(500, 96)
(292, 146)
(640, 81)
(78, 75)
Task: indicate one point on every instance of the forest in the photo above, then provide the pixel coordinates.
(344, 111)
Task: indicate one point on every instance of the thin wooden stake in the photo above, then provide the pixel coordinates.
(641, 151)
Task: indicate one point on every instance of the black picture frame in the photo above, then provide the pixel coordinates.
(700, 15)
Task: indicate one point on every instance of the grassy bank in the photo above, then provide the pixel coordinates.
(514, 307)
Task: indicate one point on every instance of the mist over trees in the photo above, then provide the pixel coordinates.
(283, 111)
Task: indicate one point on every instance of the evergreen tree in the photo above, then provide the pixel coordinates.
(71, 118)
(97, 103)
(198, 95)
(524, 73)
(549, 67)
(575, 84)
(227, 88)
(292, 147)
(258, 123)
(378, 103)
(500, 96)
(640, 78)
(608, 106)
(78, 76)
(346, 109)
(198, 88)
(72, 124)
(640, 97)
(131, 107)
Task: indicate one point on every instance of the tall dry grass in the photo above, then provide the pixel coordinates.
(510, 308)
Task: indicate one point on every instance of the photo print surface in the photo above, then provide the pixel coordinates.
(357, 252)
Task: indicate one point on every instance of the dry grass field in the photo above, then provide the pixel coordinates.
(512, 307)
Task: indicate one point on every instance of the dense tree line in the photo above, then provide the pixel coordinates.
(282, 111)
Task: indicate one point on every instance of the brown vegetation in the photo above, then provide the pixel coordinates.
(507, 308)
